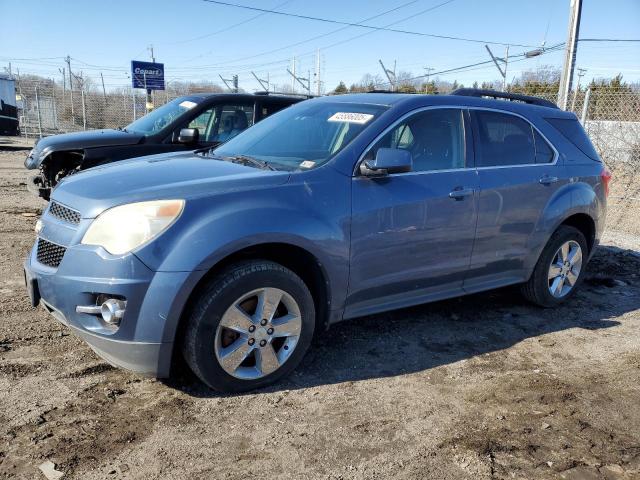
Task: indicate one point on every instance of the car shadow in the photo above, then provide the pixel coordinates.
(441, 333)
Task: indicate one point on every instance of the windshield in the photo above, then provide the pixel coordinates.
(305, 135)
(159, 118)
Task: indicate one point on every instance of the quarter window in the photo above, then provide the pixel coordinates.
(544, 153)
(503, 140)
(435, 139)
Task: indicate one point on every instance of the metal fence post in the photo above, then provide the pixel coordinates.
(38, 108)
(585, 107)
(84, 110)
(133, 97)
(55, 115)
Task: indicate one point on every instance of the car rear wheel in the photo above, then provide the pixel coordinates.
(560, 268)
(250, 326)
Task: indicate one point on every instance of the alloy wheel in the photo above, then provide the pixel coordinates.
(258, 333)
(565, 269)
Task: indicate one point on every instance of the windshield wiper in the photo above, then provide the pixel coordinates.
(245, 160)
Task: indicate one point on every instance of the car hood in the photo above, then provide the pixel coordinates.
(78, 141)
(166, 176)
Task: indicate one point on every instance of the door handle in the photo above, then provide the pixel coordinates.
(547, 180)
(459, 193)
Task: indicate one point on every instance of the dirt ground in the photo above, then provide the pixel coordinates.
(480, 387)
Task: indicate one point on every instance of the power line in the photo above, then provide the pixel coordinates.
(521, 57)
(291, 45)
(609, 39)
(361, 25)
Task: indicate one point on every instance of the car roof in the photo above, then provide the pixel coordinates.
(412, 100)
(241, 96)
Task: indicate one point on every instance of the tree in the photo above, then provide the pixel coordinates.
(341, 88)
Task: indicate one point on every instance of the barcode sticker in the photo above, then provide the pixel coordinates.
(350, 117)
(188, 104)
(307, 164)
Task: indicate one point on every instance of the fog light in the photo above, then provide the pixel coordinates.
(112, 311)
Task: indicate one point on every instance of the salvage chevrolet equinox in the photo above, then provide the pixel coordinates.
(334, 208)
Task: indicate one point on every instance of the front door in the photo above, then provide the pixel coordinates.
(412, 233)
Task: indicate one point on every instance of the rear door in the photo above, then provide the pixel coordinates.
(412, 233)
(518, 174)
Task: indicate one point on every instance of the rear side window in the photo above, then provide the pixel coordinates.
(271, 108)
(503, 139)
(573, 131)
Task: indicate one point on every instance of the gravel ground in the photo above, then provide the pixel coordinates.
(480, 387)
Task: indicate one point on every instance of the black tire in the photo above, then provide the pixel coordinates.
(217, 296)
(536, 290)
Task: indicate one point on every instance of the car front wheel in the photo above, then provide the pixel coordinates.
(250, 326)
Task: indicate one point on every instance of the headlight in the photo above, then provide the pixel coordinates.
(121, 229)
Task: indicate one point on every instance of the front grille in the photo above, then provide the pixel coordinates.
(65, 214)
(49, 254)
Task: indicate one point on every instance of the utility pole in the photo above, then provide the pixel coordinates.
(293, 78)
(262, 82)
(64, 82)
(505, 61)
(429, 70)
(581, 72)
(318, 81)
(104, 91)
(301, 80)
(428, 78)
(570, 53)
(233, 80)
(68, 60)
(391, 74)
(149, 105)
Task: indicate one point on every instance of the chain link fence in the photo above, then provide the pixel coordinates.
(49, 108)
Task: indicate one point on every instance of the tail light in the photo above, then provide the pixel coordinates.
(605, 175)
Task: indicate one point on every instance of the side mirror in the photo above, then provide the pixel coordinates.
(387, 161)
(189, 135)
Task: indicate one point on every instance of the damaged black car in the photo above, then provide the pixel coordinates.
(186, 123)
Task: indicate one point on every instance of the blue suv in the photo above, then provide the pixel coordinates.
(334, 208)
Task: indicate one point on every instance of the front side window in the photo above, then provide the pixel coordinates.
(503, 139)
(304, 135)
(203, 123)
(222, 122)
(435, 139)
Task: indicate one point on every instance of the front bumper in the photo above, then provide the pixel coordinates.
(143, 342)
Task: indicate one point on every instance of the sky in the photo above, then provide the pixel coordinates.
(199, 40)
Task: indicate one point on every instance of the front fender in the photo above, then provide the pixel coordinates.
(573, 198)
(310, 213)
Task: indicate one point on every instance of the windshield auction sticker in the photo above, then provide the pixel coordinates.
(350, 117)
(187, 104)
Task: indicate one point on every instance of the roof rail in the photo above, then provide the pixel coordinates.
(514, 97)
(375, 90)
(288, 94)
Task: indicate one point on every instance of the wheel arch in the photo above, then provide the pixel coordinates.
(294, 257)
(576, 205)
